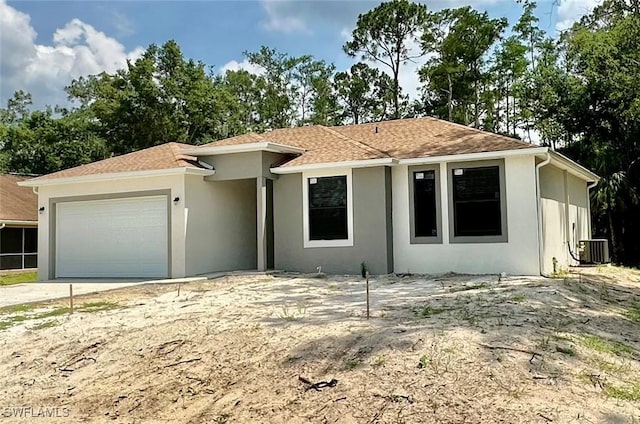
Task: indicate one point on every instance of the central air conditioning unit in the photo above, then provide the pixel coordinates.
(594, 251)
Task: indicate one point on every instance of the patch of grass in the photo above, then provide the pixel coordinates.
(45, 324)
(8, 279)
(631, 393)
(291, 315)
(21, 312)
(426, 311)
(98, 306)
(350, 364)
(605, 346)
(12, 309)
(633, 313)
(518, 298)
(423, 361)
(470, 287)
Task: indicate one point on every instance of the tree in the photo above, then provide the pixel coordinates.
(383, 35)
(365, 93)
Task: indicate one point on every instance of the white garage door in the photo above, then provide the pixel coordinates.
(112, 238)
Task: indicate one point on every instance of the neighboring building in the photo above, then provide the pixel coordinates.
(18, 224)
(414, 195)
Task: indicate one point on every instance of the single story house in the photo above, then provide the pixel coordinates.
(408, 196)
(18, 224)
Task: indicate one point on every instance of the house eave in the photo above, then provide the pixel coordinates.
(473, 156)
(331, 165)
(266, 146)
(116, 176)
(564, 163)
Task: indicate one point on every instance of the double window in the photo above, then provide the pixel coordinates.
(327, 213)
(476, 203)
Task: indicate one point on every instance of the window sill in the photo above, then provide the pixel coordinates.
(479, 239)
(328, 243)
(425, 240)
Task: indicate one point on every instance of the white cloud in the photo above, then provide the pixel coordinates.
(245, 65)
(282, 22)
(570, 11)
(77, 49)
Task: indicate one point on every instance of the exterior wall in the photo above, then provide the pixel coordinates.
(234, 166)
(371, 233)
(220, 225)
(519, 255)
(174, 184)
(564, 201)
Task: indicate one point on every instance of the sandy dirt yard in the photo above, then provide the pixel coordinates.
(449, 349)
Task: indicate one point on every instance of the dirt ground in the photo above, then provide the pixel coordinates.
(449, 349)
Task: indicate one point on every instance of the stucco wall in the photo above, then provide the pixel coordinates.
(235, 166)
(557, 230)
(173, 183)
(371, 238)
(220, 225)
(519, 255)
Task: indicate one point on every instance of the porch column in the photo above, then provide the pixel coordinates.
(261, 214)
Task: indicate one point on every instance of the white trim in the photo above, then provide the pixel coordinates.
(115, 176)
(17, 223)
(332, 166)
(566, 164)
(266, 146)
(305, 208)
(474, 156)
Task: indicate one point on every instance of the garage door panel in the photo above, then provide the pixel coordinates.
(112, 238)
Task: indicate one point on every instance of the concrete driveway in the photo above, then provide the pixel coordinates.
(48, 290)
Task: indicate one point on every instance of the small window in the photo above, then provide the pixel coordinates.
(328, 208)
(477, 208)
(424, 204)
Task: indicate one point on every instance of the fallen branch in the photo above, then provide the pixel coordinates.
(546, 418)
(514, 349)
(319, 385)
(186, 361)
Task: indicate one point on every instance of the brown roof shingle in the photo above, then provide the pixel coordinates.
(17, 203)
(163, 156)
(401, 139)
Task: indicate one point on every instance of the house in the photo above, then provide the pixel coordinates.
(18, 224)
(415, 195)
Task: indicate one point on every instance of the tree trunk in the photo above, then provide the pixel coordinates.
(450, 100)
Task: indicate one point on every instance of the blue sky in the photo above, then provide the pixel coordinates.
(45, 44)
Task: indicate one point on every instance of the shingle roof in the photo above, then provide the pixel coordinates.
(163, 156)
(17, 203)
(401, 139)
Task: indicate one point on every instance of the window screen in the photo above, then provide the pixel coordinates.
(11, 240)
(424, 204)
(328, 208)
(476, 201)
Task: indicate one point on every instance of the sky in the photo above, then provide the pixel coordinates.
(46, 44)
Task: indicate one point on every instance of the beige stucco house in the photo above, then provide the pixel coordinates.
(413, 195)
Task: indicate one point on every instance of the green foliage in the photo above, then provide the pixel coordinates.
(383, 35)
(631, 393)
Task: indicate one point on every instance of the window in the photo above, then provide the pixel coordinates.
(424, 200)
(478, 202)
(327, 209)
(18, 248)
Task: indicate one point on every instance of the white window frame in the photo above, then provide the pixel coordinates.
(307, 242)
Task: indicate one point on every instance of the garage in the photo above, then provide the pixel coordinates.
(123, 237)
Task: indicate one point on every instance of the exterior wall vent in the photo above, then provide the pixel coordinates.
(594, 251)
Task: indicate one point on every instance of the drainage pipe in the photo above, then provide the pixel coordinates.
(539, 212)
